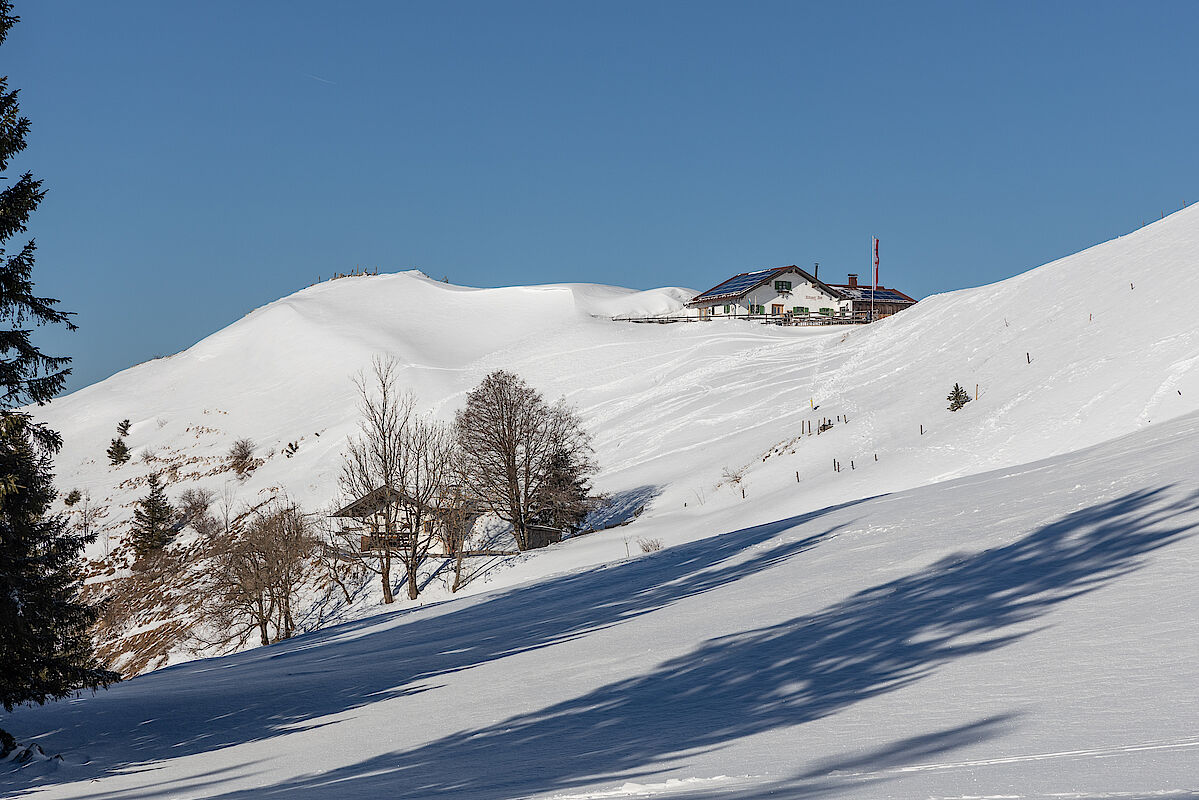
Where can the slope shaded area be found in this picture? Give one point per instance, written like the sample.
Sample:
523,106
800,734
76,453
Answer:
1027,632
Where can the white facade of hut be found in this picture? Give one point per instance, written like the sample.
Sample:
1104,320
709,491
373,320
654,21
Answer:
778,292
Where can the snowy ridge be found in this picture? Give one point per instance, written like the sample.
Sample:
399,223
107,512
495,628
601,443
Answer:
1000,605
1115,357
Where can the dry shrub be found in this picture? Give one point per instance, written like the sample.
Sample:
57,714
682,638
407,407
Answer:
241,457
733,476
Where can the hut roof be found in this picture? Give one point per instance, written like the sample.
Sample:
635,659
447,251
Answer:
740,285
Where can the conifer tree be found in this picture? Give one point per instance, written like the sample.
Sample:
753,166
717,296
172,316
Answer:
26,374
118,452
958,397
45,641
152,519
123,427
565,497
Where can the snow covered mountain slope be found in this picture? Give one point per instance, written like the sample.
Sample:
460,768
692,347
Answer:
1002,604
1023,633
1074,353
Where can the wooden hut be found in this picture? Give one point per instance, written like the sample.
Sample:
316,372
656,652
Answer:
387,516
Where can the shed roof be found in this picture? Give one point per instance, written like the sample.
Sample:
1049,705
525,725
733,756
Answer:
369,503
449,498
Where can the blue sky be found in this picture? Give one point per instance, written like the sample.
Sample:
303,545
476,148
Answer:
205,158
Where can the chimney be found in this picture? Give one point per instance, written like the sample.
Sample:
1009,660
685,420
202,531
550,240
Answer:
853,281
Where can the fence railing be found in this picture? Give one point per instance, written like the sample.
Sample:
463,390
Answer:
859,318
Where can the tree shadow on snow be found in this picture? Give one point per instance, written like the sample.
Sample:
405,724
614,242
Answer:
206,705
876,641
620,508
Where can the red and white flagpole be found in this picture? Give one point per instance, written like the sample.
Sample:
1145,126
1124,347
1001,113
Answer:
876,263
874,284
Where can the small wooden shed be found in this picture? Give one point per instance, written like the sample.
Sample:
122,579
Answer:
541,536
387,516
381,526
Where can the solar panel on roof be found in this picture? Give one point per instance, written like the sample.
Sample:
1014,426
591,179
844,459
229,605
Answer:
736,284
864,292
887,295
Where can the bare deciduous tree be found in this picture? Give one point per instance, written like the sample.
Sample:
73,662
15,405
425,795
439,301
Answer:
83,516
456,521
371,459
426,454
241,600
514,448
257,573
339,558
409,456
